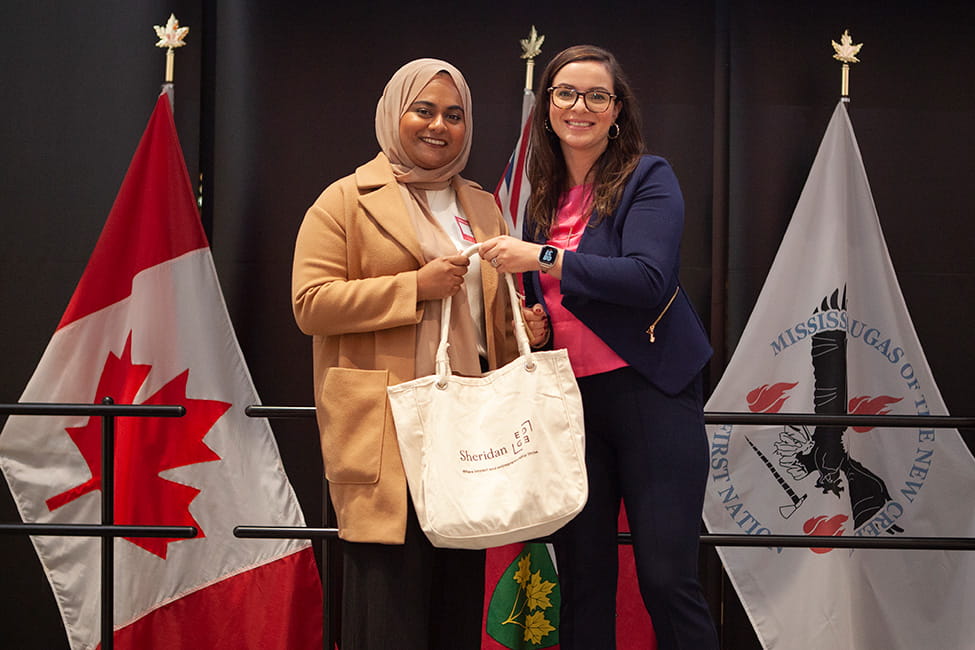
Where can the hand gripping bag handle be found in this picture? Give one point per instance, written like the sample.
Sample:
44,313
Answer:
524,347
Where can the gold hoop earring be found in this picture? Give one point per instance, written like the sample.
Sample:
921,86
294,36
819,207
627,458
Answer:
611,134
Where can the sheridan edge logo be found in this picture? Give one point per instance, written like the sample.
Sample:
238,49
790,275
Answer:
832,480
519,447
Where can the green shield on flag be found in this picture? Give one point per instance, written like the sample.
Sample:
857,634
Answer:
524,609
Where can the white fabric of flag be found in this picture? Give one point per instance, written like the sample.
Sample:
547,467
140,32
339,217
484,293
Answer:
831,334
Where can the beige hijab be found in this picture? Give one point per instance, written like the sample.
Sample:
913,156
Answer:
401,91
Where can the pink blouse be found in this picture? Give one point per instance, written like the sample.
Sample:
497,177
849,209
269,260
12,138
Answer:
588,354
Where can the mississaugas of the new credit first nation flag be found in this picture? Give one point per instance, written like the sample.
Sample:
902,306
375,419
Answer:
831,334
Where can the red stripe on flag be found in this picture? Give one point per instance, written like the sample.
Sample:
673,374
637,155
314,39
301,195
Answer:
276,606
634,630
155,196
496,563
519,170
497,190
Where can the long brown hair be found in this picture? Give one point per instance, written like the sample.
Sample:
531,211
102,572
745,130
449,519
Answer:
547,171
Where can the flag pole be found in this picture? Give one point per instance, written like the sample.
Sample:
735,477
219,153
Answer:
530,48
845,51
170,37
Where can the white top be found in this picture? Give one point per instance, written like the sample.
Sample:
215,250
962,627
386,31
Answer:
448,213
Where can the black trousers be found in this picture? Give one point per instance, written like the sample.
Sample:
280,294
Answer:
650,450
411,597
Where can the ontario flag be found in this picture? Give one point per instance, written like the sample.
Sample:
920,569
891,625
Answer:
522,597
147,324
831,334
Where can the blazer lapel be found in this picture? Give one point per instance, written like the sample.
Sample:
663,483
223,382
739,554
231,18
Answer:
379,195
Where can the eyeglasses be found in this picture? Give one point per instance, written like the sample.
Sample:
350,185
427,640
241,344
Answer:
597,101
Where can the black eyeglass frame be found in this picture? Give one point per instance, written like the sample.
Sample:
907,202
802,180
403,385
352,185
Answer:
585,99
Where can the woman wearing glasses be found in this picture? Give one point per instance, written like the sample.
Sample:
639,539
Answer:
375,255
602,255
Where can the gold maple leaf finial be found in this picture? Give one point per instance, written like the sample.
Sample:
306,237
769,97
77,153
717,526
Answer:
845,50
172,34
532,46
170,37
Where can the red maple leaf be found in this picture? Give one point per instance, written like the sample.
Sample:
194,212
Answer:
144,447
866,405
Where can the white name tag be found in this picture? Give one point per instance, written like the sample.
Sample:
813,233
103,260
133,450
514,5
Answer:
465,229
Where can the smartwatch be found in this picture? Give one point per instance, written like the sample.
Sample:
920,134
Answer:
547,257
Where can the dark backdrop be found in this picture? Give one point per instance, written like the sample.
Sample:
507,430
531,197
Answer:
275,101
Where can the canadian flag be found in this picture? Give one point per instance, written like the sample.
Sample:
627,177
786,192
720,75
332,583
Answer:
148,325
831,334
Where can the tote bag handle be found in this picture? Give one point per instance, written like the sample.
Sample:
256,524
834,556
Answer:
524,348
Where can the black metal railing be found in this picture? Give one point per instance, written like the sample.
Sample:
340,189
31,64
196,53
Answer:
107,530
740,540
718,417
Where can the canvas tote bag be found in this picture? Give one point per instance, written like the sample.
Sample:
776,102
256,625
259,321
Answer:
495,459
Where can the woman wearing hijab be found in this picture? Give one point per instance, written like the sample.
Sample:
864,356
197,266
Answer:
375,254
603,230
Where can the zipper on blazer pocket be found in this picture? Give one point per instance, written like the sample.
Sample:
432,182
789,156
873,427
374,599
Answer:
666,307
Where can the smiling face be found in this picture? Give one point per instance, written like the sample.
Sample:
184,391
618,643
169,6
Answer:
579,129
432,130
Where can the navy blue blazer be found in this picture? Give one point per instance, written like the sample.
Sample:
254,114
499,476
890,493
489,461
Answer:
624,273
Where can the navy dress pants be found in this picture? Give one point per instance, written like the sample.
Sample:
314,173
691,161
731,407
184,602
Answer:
649,449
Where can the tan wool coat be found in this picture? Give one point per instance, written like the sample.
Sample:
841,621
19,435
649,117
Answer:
354,291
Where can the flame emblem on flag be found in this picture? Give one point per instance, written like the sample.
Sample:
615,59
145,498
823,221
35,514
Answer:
824,526
866,405
769,398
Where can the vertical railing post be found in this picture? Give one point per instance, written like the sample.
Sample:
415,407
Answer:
108,518
324,570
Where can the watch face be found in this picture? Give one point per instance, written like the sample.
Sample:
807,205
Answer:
548,255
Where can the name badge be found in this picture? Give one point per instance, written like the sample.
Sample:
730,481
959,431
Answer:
465,229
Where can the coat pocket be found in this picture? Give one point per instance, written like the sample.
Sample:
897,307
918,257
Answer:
351,417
